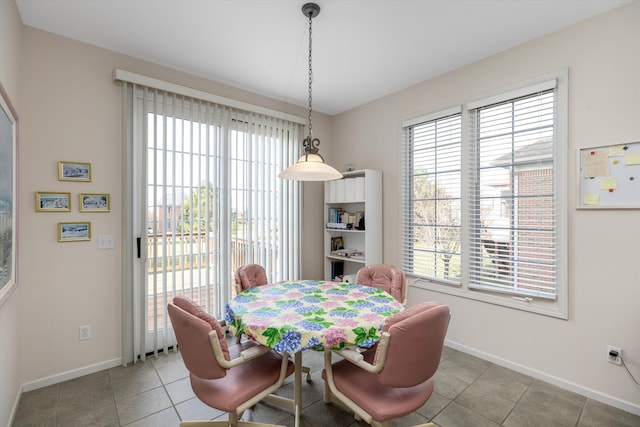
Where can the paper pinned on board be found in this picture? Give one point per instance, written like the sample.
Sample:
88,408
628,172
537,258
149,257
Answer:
596,163
591,199
632,159
616,151
609,183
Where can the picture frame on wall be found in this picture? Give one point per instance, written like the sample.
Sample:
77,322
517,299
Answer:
47,201
74,231
8,196
95,202
74,171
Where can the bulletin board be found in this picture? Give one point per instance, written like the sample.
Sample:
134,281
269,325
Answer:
609,177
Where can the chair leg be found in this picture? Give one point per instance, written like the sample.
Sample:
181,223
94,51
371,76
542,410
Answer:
307,371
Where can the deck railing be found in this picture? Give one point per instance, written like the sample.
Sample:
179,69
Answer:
190,250
183,259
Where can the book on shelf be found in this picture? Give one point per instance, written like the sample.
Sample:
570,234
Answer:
348,253
337,269
335,215
339,226
358,223
338,217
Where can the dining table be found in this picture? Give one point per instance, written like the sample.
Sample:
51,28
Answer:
296,316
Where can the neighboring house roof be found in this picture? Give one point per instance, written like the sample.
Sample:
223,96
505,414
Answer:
531,153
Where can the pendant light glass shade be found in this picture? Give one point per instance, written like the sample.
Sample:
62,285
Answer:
311,166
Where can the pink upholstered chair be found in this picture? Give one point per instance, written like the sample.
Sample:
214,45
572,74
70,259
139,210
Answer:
400,379
247,276
230,379
250,275
386,277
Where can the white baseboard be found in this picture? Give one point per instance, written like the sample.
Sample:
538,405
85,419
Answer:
69,375
562,383
14,409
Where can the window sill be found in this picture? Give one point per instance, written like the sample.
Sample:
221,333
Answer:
545,307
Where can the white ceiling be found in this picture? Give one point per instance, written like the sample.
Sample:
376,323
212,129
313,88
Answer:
362,50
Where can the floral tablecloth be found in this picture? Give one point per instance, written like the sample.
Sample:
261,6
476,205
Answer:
296,316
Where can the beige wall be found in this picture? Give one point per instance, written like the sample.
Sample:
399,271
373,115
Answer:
604,289
10,380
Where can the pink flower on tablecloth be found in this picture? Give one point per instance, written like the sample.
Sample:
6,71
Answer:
359,295
372,317
333,337
294,295
328,285
290,317
260,323
257,304
345,322
329,304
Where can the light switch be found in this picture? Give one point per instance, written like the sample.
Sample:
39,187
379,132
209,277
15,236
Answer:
106,242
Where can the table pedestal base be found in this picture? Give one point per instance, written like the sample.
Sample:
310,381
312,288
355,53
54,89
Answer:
295,405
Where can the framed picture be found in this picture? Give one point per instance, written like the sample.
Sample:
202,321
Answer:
8,196
337,243
95,202
74,231
53,202
74,171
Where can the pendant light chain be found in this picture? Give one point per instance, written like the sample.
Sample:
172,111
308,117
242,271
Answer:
310,166
310,143
310,78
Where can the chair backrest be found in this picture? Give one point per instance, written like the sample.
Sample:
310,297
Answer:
192,334
250,275
191,307
415,345
386,277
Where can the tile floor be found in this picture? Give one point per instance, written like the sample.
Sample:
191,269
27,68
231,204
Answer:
470,392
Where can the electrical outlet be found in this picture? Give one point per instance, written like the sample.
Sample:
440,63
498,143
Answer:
85,332
617,360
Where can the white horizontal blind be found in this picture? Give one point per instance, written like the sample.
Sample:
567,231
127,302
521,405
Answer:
513,203
431,204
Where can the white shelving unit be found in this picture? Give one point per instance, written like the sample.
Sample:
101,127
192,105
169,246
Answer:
359,193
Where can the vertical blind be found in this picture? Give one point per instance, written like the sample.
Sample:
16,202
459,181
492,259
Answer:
204,198
513,203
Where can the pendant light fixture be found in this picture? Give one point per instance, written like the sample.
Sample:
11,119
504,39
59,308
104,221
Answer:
310,166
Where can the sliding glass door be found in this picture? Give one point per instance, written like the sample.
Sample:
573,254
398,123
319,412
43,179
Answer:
206,199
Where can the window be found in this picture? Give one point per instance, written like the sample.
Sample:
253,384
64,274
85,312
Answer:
483,199
433,239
